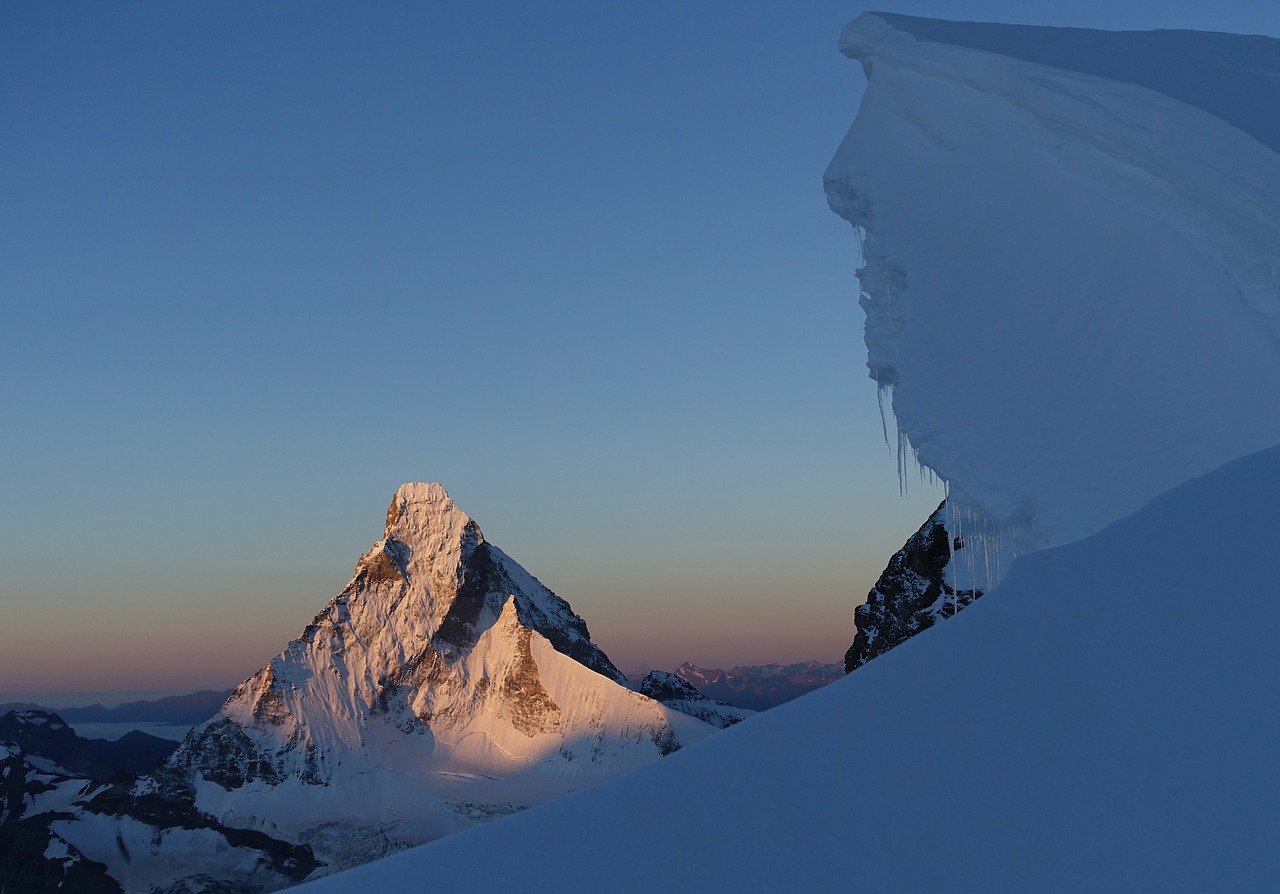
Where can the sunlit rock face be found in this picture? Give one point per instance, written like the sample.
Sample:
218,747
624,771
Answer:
444,685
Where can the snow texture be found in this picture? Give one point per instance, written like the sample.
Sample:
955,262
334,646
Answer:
1073,297
1071,284
142,857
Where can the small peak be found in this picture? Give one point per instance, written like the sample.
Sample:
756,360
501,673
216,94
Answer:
664,686
424,500
510,614
422,492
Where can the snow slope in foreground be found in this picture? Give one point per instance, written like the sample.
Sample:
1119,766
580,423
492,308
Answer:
1107,723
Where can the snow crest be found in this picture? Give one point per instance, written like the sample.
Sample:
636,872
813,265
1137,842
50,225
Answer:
1074,302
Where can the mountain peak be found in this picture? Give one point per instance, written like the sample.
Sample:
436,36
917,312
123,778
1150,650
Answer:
421,497
393,644
424,509
442,668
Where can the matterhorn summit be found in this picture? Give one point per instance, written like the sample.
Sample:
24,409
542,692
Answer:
443,686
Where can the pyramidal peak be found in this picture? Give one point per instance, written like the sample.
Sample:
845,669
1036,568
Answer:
443,674
425,532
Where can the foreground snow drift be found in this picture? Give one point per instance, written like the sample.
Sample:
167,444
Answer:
1103,721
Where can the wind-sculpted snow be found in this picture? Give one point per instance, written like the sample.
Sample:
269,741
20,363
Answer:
1072,282
1233,76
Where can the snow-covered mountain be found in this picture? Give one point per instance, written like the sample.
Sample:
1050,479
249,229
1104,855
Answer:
1072,283
33,791
686,698
1060,268
443,686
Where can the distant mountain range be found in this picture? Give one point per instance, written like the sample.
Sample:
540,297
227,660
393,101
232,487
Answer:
190,709
761,686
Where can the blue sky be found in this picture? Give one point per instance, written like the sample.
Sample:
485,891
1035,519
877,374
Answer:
263,263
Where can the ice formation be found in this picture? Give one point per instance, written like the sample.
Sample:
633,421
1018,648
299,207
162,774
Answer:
1073,301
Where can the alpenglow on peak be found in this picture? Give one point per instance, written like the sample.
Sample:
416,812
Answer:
443,686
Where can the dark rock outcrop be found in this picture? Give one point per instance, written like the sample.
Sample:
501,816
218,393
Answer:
46,734
686,698
666,687
49,775
912,593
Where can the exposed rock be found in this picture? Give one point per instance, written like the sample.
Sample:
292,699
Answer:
45,733
911,595
682,695
667,687
55,781
530,707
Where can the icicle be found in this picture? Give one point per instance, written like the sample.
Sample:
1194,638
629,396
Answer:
969,551
986,558
951,541
881,388
904,445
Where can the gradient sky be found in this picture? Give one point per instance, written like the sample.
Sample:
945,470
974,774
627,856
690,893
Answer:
261,263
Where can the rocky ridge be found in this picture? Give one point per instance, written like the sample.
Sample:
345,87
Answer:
683,696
